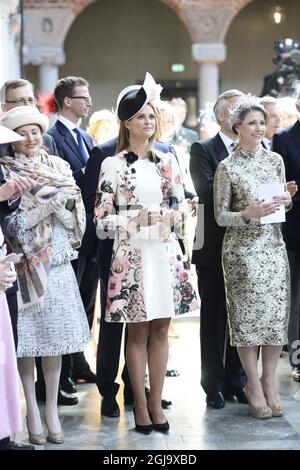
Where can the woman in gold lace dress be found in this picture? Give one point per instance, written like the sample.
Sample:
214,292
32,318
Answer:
254,256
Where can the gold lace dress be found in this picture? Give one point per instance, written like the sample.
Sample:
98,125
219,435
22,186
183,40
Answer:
255,263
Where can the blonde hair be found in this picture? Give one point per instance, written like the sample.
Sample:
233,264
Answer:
123,140
165,111
96,124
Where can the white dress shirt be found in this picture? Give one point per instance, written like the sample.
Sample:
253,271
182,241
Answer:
267,142
229,143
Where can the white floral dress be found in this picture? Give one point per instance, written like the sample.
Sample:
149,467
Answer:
148,277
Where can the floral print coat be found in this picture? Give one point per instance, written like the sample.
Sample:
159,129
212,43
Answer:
118,204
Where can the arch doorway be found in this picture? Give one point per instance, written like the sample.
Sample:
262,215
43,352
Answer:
113,43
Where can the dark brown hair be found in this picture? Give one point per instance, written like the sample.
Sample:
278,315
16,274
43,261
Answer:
65,88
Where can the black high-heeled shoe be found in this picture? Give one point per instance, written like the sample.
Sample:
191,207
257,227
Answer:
160,427
142,428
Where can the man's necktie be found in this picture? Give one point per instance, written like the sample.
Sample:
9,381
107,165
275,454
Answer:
231,146
81,145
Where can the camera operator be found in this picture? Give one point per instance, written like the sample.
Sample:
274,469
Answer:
287,60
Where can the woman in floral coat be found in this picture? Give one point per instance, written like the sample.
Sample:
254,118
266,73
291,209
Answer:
140,198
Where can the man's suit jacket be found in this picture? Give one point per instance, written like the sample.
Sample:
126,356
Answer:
68,149
205,157
287,144
270,85
50,145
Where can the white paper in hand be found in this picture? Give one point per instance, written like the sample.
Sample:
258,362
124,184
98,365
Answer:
267,192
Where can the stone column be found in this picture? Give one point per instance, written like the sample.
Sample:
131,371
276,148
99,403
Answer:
9,57
48,59
48,77
208,56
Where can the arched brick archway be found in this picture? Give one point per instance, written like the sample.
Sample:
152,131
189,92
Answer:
77,6
207,22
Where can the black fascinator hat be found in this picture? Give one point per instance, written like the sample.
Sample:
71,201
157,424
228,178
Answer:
133,98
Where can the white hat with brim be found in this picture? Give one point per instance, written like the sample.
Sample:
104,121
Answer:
24,115
6,136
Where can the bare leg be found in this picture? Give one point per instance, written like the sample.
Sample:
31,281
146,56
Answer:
51,369
270,357
136,359
158,350
26,370
248,357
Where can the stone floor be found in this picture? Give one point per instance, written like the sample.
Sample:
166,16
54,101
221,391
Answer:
192,424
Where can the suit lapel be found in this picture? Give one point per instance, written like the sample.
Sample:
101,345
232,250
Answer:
88,142
72,144
219,147
69,139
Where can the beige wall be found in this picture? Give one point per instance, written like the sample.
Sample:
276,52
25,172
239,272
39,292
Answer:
250,43
122,40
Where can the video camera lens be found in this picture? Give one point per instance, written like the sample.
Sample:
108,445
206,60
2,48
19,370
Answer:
286,45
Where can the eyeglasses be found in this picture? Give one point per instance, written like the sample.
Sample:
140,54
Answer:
87,99
22,101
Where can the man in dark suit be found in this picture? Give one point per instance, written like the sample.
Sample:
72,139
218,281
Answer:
73,103
221,371
287,144
271,86
110,334
74,145
20,93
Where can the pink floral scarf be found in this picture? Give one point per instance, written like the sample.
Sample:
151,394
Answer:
52,177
